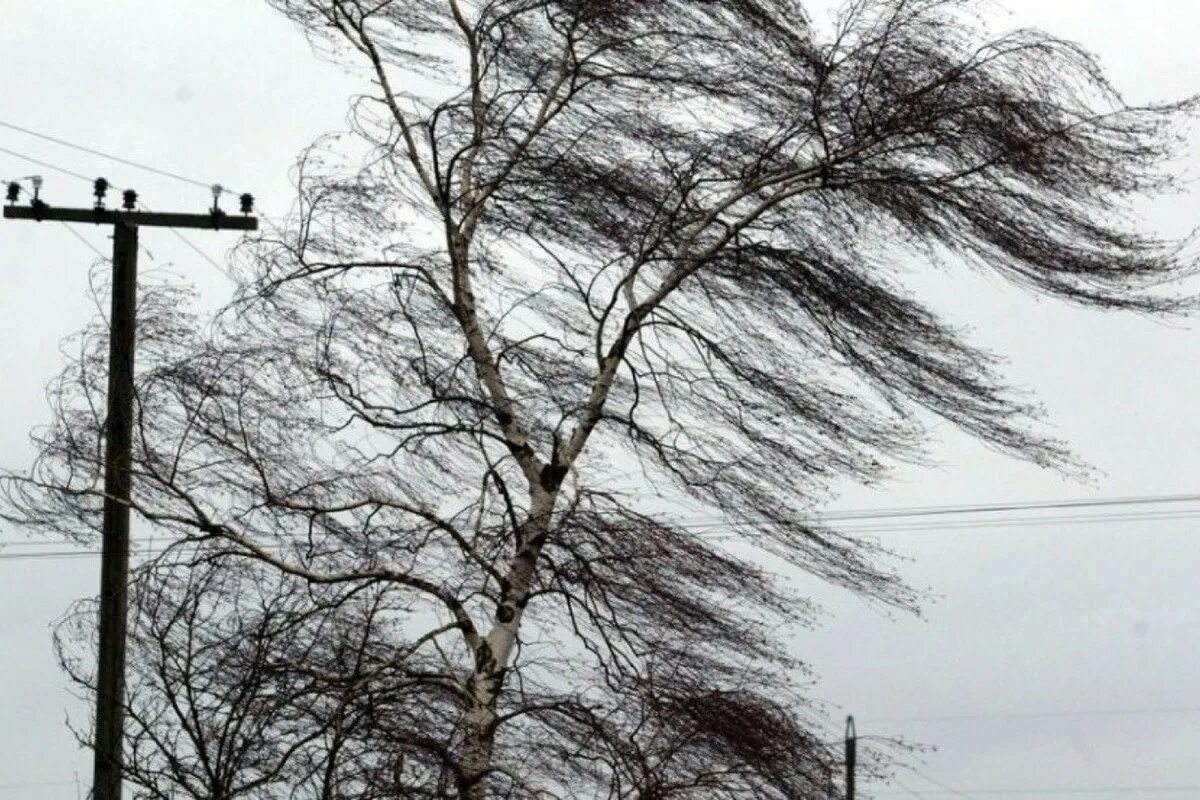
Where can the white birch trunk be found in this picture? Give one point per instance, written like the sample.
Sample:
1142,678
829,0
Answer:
494,653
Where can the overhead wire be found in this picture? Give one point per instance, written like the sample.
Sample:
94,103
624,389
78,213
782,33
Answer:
201,253
745,529
987,523
705,529
907,789
940,785
46,164
748,530
137,550
1052,791
35,784
85,242
917,512
748,536
984,508
701,529
109,156
1022,522
1048,714
943,789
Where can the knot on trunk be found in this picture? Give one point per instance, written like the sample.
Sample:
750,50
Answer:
552,476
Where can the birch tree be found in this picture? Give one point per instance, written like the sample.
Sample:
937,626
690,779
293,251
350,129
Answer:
568,339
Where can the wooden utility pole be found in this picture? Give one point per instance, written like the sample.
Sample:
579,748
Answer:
851,756
118,438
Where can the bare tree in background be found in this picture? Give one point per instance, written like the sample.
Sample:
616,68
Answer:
591,277
242,685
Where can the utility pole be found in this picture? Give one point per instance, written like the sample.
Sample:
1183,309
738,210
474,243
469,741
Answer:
851,756
118,435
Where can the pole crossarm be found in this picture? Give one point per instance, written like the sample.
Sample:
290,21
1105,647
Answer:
142,219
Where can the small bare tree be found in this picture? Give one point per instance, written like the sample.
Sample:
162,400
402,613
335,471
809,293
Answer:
610,271
213,711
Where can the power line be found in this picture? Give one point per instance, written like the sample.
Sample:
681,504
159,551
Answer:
85,242
55,554
46,164
109,156
988,508
984,717
1085,790
201,253
34,784
943,787
1035,520
907,789
916,512
935,528
147,551
704,529
742,525
701,531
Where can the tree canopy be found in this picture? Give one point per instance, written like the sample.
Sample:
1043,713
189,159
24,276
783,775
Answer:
588,277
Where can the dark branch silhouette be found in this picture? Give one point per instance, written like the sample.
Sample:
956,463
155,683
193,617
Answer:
615,296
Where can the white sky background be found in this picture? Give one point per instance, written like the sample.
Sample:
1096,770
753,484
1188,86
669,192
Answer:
1082,617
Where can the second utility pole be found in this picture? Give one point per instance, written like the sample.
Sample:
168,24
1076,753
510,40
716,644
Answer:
118,437
851,756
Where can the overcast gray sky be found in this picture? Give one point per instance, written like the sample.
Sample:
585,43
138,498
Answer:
1103,616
